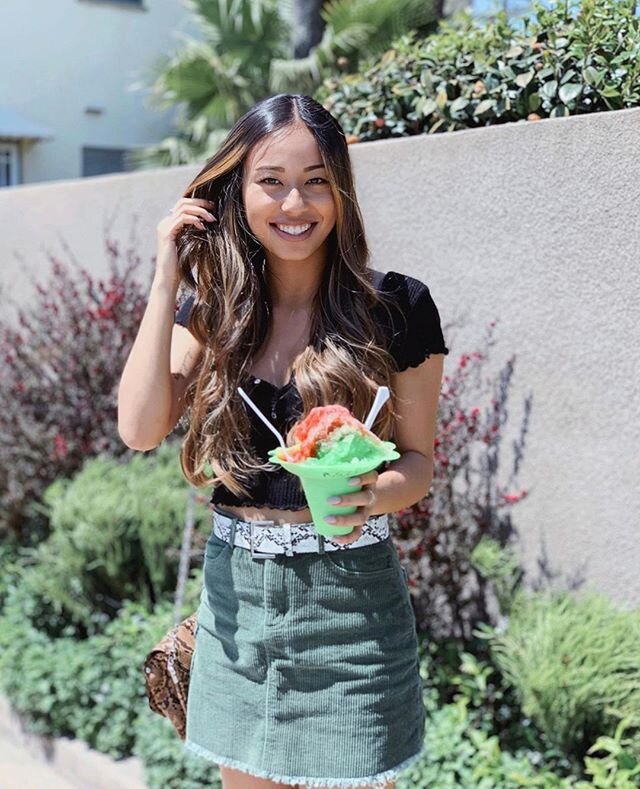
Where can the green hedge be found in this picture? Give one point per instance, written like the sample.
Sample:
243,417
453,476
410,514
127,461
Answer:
116,530
93,689
166,763
88,689
572,59
573,660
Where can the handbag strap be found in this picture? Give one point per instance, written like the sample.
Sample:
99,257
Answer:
183,571
171,659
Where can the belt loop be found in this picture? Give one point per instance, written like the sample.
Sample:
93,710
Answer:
232,533
320,543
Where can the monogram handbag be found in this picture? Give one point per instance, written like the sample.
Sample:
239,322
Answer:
167,667
166,673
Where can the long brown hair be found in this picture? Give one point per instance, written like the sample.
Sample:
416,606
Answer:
346,359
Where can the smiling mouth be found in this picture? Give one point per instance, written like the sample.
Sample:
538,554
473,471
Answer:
293,236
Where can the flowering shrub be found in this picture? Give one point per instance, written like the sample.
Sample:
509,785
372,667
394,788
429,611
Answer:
437,535
58,384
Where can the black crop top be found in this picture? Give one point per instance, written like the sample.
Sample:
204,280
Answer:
409,345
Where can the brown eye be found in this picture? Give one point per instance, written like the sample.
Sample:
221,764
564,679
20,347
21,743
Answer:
317,178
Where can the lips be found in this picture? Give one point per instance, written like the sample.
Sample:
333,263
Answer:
289,237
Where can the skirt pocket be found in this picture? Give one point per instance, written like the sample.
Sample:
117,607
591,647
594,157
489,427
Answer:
376,561
215,548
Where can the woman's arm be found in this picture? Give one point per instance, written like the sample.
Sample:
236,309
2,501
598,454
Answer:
408,479
163,357
160,365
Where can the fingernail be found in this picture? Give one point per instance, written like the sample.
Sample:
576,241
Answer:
333,500
354,481
330,519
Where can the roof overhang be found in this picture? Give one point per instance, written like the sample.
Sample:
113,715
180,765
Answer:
15,126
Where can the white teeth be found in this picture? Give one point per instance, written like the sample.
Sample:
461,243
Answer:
294,230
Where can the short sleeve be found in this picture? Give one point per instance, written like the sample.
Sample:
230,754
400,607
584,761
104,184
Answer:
416,332
423,334
182,315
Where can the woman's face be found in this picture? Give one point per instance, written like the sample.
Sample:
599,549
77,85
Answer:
286,190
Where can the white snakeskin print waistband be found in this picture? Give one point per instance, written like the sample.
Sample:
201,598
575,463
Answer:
266,538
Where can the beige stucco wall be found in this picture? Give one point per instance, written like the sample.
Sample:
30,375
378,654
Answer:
531,223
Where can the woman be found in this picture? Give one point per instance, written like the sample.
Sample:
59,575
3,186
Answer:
305,671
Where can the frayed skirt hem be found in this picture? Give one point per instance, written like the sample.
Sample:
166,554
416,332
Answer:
377,780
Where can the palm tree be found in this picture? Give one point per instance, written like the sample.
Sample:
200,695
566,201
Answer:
247,53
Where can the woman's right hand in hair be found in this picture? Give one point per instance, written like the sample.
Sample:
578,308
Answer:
187,211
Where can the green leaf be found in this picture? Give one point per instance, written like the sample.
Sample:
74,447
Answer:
459,104
549,89
425,106
403,90
610,92
545,72
426,79
534,102
484,106
569,92
568,75
593,76
524,79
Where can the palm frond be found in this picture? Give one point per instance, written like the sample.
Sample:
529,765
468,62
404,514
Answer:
353,28
394,16
169,152
299,75
286,9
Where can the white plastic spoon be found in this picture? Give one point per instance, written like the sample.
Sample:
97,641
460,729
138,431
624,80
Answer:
382,396
250,403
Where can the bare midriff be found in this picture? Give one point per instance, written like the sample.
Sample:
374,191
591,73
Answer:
265,514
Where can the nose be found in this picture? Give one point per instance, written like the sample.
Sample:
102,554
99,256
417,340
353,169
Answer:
293,200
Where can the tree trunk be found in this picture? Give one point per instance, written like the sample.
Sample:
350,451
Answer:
308,26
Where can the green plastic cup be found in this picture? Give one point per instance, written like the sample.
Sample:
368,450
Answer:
321,480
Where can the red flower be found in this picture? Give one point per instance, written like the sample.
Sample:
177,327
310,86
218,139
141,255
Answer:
60,448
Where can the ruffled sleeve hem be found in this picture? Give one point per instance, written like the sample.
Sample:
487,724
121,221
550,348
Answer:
416,332
419,357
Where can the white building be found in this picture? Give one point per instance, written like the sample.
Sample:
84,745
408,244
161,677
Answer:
66,69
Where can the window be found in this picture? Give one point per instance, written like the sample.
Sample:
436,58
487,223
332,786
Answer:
98,161
9,163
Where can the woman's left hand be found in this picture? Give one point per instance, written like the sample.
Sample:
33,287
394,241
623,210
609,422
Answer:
364,500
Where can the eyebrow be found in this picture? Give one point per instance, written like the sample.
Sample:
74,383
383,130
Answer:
281,169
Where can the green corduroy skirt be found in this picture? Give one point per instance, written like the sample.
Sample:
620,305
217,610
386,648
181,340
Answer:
305,669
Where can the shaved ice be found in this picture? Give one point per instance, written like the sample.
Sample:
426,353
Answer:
331,446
